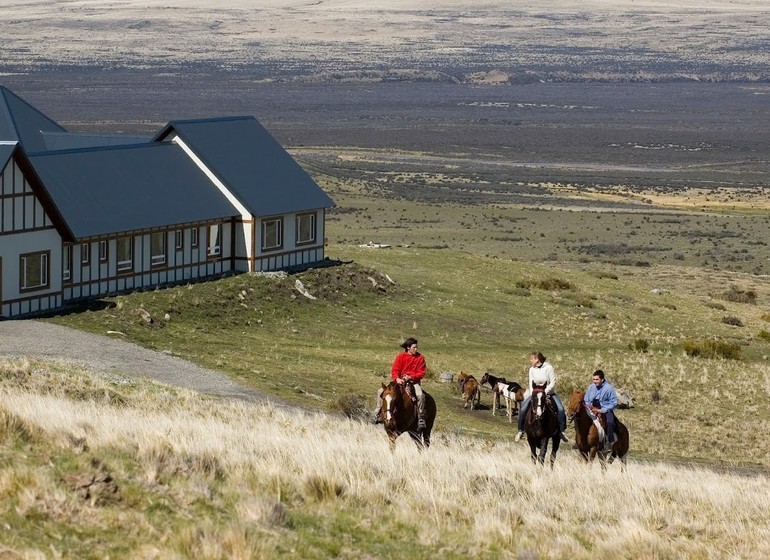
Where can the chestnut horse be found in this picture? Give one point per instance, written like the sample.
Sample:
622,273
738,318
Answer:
541,424
398,413
469,389
588,439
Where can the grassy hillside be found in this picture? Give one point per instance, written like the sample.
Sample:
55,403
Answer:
476,313
107,466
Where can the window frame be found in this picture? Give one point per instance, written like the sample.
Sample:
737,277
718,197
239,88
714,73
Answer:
45,272
179,240
313,228
158,259
214,251
279,233
125,265
66,263
194,237
104,251
85,253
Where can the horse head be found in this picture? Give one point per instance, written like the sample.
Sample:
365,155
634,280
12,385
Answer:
485,378
575,405
539,400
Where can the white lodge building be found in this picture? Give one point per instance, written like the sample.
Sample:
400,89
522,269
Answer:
84,215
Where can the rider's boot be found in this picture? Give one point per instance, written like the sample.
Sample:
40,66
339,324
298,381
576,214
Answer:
563,436
421,424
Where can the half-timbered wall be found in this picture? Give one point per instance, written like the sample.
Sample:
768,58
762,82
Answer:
91,276
25,231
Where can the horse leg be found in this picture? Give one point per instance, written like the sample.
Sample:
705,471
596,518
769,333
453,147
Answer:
543,450
495,400
392,441
533,452
417,440
555,442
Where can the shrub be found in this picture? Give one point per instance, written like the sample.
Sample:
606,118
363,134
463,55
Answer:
734,321
548,284
351,406
715,305
740,296
603,274
712,349
765,317
639,345
764,335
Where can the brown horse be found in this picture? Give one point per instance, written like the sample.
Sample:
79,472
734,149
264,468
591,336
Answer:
541,424
512,392
587,437
398,413
469,389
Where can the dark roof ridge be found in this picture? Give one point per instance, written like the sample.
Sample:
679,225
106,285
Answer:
144,144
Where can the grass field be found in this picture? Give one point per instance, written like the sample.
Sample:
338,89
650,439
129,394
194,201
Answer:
474,313
97,467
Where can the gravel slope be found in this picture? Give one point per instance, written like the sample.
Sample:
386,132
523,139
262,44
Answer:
39,340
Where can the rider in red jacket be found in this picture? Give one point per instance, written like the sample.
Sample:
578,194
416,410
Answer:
409,365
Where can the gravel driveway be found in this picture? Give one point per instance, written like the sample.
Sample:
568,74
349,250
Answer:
39,340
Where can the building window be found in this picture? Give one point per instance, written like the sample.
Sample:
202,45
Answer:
194,237
215,240
66,263
179,240
305,228
33,270
103,254
125,254
272,236
158,248
85,253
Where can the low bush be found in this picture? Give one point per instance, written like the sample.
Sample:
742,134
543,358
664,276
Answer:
737,295
639,345
351,406
764,335
712,349
734,321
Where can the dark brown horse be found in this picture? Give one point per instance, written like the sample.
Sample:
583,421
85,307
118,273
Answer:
587,436
398,413
541,424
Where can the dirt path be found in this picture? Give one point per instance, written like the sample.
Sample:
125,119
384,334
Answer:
39,340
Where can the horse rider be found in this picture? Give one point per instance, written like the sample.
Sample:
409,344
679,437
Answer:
409,366
541,372
601,398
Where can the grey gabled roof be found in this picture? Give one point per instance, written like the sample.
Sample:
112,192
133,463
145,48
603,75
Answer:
251,163
20,121
101,191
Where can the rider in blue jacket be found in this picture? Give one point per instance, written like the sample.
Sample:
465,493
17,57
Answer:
601,398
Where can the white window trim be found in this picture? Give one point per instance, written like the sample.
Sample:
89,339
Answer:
279,236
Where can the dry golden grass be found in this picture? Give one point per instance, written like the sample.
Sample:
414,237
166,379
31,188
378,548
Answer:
206,478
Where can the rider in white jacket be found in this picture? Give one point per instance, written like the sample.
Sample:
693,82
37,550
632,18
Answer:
542,372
